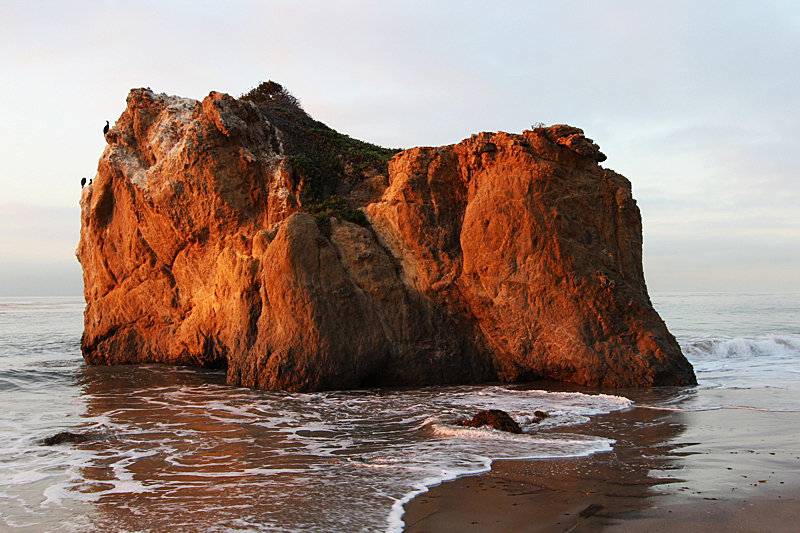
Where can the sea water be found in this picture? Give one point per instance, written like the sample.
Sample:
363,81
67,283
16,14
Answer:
176,449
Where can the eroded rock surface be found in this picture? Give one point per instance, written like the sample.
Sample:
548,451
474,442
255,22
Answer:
504,257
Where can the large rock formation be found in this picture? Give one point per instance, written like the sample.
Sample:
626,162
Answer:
504,257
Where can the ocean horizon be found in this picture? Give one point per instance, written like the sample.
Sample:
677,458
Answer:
175,448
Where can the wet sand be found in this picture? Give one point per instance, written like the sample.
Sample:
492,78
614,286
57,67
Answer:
726,470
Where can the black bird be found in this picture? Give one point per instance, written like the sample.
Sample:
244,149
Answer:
83,182
105,130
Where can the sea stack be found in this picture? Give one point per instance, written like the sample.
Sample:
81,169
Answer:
242,234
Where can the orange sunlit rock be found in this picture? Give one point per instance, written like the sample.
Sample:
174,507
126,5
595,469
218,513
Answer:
510,257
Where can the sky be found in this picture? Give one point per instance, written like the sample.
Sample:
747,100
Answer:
696,102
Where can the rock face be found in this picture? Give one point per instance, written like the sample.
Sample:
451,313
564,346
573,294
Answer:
504,257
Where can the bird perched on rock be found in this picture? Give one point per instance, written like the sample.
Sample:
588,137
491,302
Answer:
83,182
105,129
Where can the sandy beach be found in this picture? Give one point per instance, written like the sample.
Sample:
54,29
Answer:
722,470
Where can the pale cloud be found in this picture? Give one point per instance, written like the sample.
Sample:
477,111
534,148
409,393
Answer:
694,102
38,233
38,250
40,278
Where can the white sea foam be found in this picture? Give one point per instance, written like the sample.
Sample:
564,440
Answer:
724,347
171,447
365,453
771,360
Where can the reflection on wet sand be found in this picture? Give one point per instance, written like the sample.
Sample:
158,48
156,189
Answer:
186,461
558,494
719,470
181,450
178,450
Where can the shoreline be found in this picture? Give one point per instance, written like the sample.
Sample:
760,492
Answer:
720,469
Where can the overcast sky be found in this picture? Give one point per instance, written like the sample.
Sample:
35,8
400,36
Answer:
696,102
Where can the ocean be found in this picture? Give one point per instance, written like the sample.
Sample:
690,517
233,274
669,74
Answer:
176,449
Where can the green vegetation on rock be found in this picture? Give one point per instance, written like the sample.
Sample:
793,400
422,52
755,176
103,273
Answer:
320,157
335,206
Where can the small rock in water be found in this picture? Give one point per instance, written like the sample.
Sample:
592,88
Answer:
65,436
495,418
538,416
